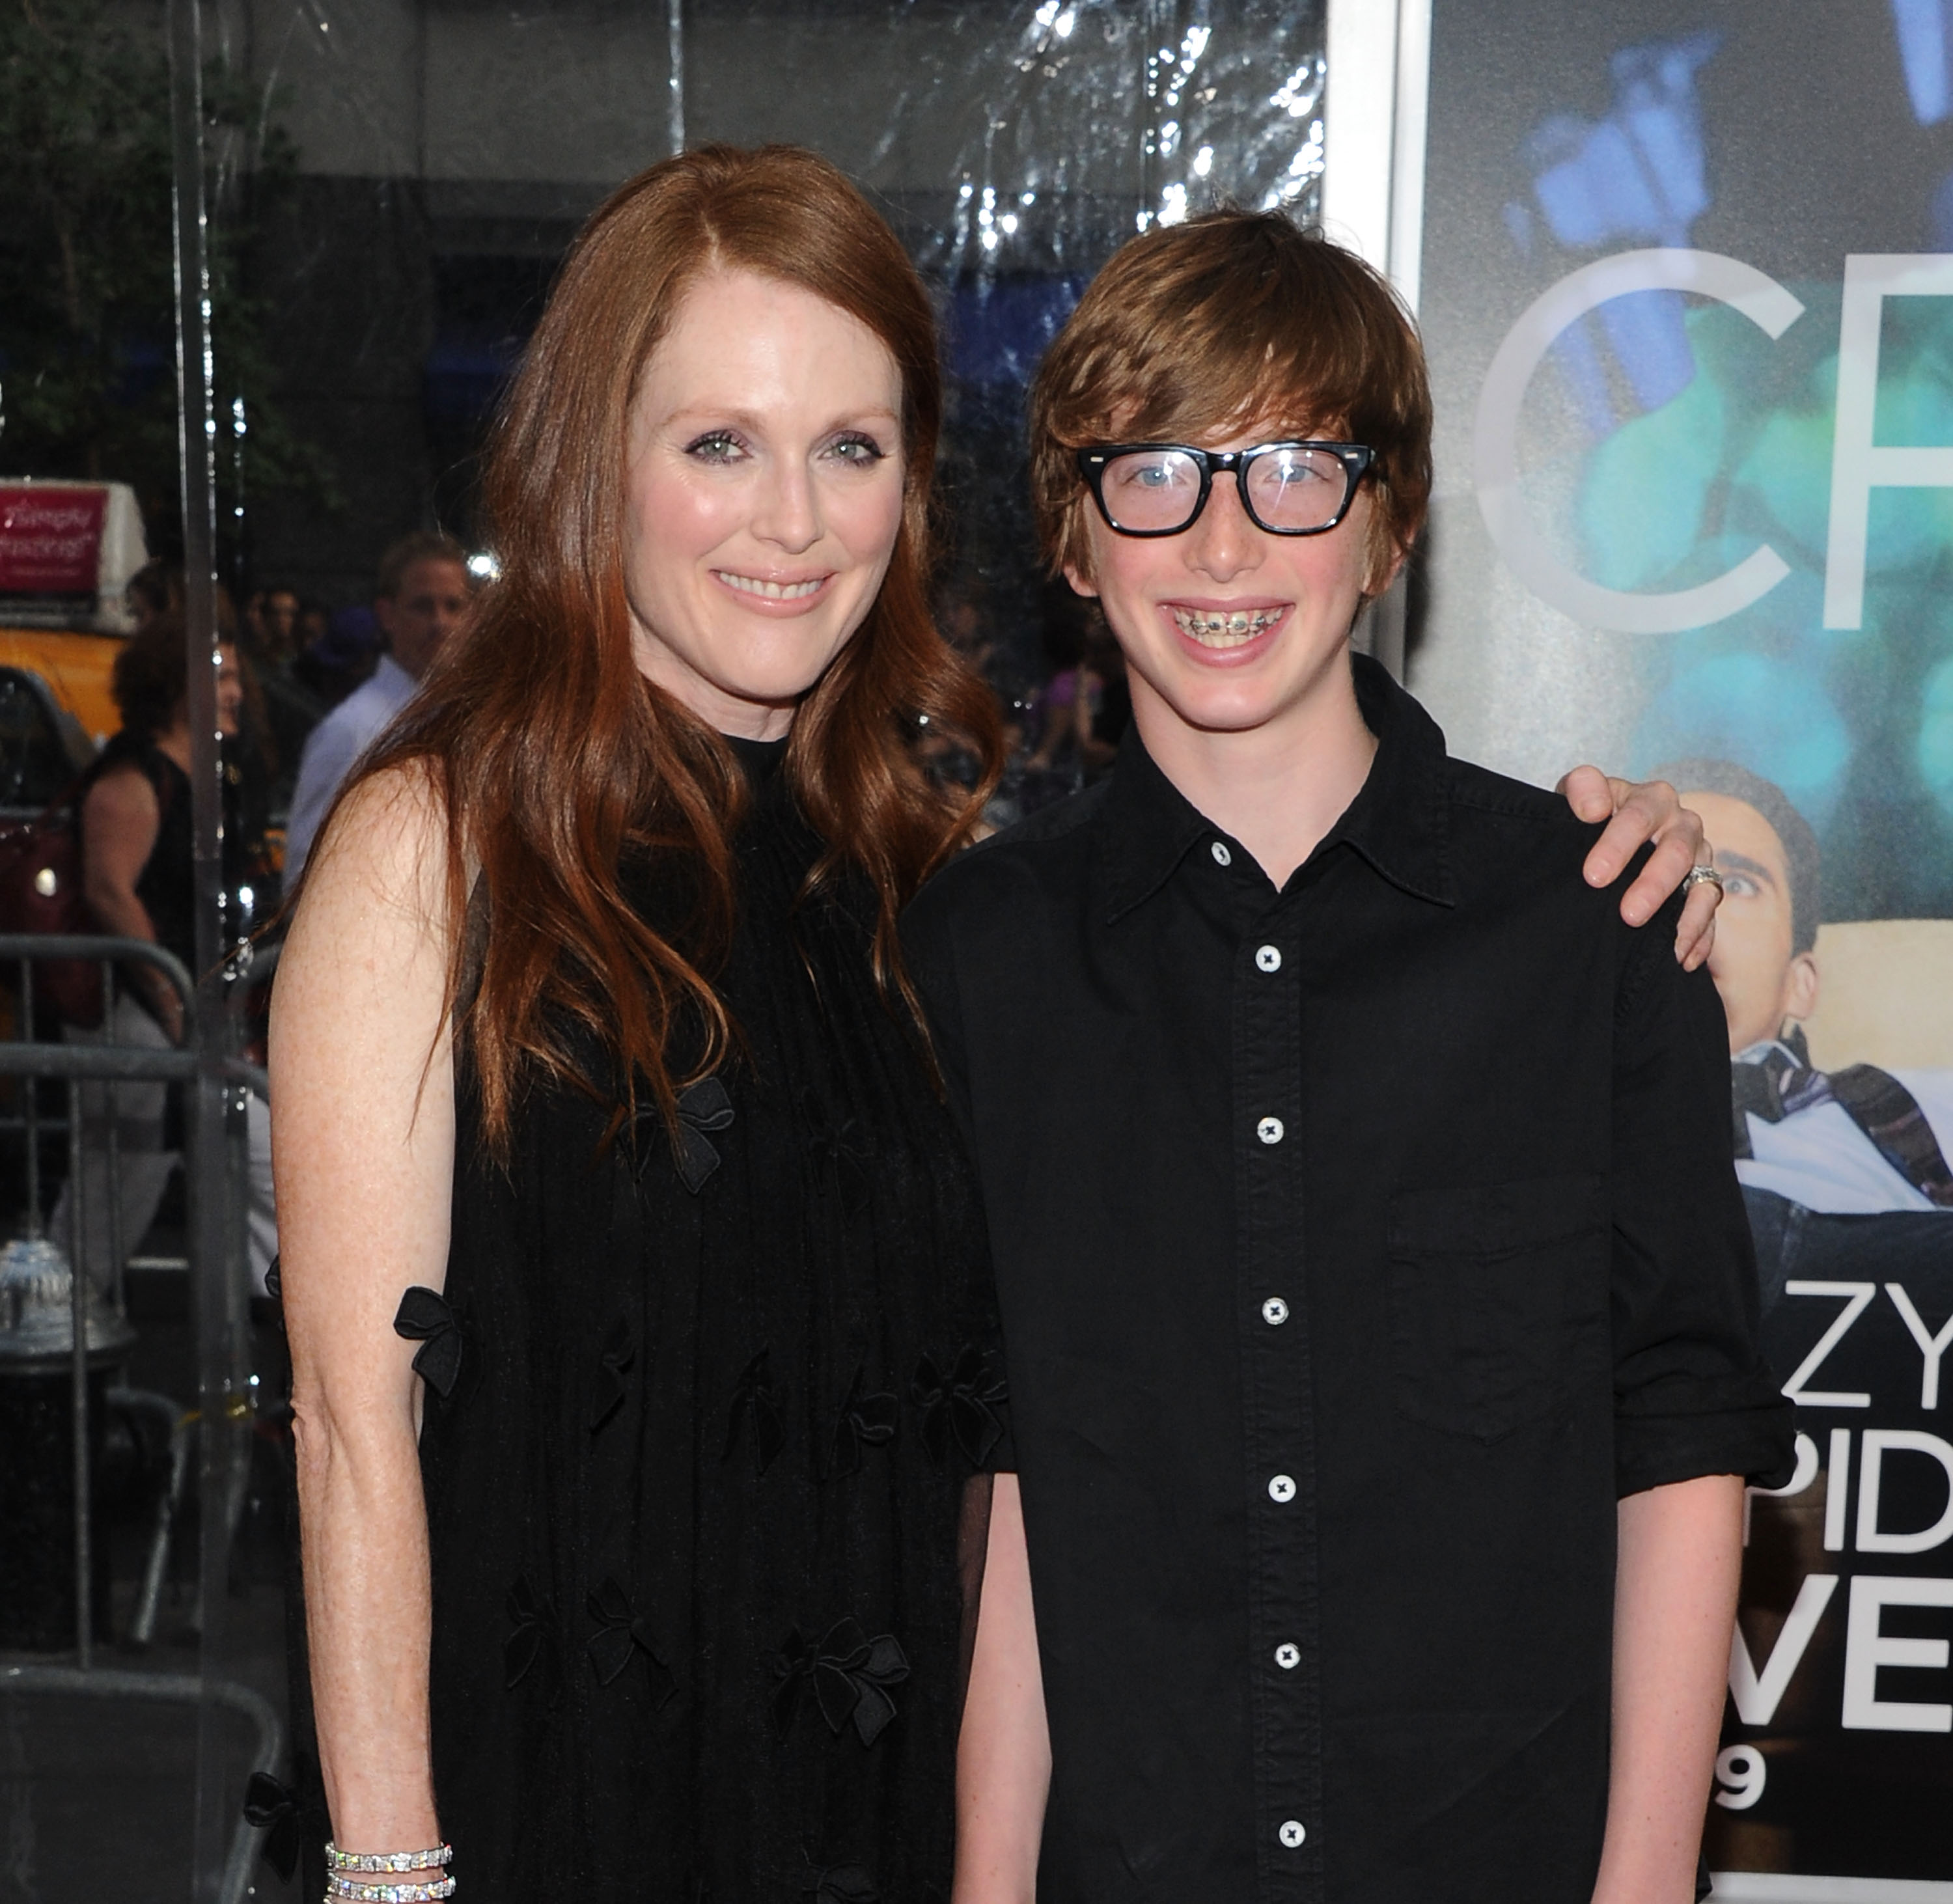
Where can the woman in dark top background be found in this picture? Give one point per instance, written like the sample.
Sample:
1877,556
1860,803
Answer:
137,849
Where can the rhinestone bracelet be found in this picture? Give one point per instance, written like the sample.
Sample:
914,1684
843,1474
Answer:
442,1854
346,1887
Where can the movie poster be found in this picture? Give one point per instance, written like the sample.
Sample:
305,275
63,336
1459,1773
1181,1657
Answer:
1688,289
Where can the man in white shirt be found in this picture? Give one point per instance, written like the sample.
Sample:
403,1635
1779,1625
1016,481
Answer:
1857,1142
422,593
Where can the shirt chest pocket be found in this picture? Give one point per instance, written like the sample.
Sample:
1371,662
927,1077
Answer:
1498,1301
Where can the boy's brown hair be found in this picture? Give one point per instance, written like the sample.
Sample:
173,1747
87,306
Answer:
1234,320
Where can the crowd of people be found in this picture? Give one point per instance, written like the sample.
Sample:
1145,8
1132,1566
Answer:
299,697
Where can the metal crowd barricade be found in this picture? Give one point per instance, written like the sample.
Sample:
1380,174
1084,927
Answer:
31,1063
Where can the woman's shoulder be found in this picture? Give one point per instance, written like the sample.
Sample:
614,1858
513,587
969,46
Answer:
120,782
385,853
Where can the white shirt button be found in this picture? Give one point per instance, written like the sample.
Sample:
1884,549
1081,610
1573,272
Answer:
1268,957
1269,1130
1222,857
1292,1832
1288,1657
1282,1487
1274,1312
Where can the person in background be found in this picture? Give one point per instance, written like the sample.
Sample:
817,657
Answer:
339,653
422,594
287,706
271,623
156,588
138,876
1861,1142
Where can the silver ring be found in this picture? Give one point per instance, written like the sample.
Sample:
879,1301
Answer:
1702,876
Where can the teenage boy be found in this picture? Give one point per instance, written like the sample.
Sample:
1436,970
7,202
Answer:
1380,1304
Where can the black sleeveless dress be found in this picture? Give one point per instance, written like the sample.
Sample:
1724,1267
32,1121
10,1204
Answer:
707,1489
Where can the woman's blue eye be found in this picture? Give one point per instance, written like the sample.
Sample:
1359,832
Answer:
715,446
863,450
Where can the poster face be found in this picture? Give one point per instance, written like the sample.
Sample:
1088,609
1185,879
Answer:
1687,290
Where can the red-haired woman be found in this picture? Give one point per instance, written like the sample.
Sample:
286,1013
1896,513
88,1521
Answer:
611,1164
608,1164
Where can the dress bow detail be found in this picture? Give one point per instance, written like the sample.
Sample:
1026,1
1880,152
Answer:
704,1107
849,1672
755,1395
959,1403
841,1884
274,1281
619,1634
530,1618
613,1363
273,1808
845,1147
866,1421
424,1317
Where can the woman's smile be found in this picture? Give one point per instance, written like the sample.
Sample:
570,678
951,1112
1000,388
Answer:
763,589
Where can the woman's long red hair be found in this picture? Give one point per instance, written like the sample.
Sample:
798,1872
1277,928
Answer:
554,757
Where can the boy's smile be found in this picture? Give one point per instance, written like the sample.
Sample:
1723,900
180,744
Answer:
1229,629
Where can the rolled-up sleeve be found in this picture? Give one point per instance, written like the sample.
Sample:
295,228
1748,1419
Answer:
1693,1395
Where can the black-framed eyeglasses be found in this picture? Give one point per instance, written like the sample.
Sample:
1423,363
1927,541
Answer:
1159,488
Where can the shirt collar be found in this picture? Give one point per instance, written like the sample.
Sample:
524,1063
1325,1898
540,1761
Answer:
1399,822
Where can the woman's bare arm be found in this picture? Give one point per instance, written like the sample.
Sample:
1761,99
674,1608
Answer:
1675,1601
119,821
1003,1756
363,1149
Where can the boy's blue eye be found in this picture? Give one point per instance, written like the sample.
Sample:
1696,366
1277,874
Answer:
1152,472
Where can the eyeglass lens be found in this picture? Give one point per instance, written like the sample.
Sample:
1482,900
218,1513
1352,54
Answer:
1287,488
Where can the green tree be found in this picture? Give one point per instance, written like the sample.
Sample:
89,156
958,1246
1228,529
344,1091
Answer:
87,299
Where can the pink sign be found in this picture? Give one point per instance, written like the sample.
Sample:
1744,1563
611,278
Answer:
50,538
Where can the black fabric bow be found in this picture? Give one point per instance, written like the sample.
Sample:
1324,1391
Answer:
274,1283
705,1106
754,1395
848,1672
621,1634
866,1421
273,1808
531,1618
959,1403
425,1318
846,1147
842,1884
618,1353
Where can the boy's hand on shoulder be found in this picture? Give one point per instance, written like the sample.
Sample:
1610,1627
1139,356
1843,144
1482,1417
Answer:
1636,813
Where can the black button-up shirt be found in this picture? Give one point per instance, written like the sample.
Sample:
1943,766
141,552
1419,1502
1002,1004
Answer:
1358,1244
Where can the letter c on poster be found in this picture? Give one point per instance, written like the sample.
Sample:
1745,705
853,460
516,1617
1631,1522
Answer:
1495,439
